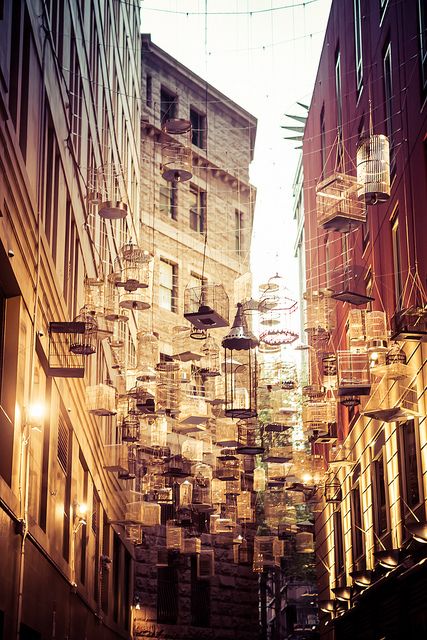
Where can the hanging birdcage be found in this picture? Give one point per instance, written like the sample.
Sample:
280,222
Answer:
133,268
130,428
319,315
353,374
185,495
347,283
337,204
106,184
218,491
244,508
192,449
168,387
202,487
277,313
263,546
228,467
392,401
333,493
112,310
176,150
101,400
94,295
159,431
184,347
249,438
85,343
143,397
357,328
259,479
147,356
128,465
304,542
233,487
134,300
192,546
226,434
177,467
329,370
240,379
174,536
209,363
410,324
373,169
206,306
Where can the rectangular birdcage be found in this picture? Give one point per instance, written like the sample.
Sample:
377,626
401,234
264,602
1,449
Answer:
353,373
206,564
338,207
392,400
319,414
347,283
410,324
207,306
101,400
319,313
144,513
62,362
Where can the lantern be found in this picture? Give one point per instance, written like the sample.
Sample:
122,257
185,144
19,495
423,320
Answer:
240,379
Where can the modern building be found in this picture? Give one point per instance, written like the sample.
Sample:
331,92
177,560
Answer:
197,207
364,161
69,161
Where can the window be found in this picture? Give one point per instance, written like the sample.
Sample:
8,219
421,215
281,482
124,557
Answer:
397,266
338,95
168,200
238,231
149,91
116,575
167,595
422,21
409,461
379,494
104,572
197,209
388,100
358,45
339,547
356,515
198,129
168,105
64,490
368,289
168,277
322,141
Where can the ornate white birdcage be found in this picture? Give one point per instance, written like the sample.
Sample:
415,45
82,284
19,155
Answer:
147,355
133,267
240,376
107,185
226,433
192,449
159,431
101,400
337,203
209,365
259,479
206,306
168,387
185,493
94,290
353,373
176,150
373,169
85,343
112,310
277,313
184,347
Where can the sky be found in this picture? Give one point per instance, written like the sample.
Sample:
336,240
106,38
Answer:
263,54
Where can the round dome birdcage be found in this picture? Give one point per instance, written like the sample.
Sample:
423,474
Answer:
209,363
133,267
147,355
373,169
176,150
277,313
85,343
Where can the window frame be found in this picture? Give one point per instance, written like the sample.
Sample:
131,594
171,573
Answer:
404,465
168,200
397,258
198,132
380,497
197,212
173,290
339,551
172,100
239,239
357,540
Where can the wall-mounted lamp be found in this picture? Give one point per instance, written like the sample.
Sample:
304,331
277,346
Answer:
362,578
343,594
80,515
388,559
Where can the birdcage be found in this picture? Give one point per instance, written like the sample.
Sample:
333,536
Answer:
353,374
147,355
168,387
112,310
226,433
107,185
410,324
94,295
184,348
185,493
128,464
304,542
392,401
347,283
244,508
134,300
333,493
62,361
174,536
159,431
101,400
319,414
263,546
276,508
218,491
176,150
84,343
202,486
130,428
395,364
177,467
206,306
192,449
259,479
240,377
143,397
357,328
277,313
209,363
133,268
373,169
337,204
249,437
192,546
319,314
329,370
233,487
228,467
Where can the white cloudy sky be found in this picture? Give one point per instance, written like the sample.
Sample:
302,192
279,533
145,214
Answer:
263,54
